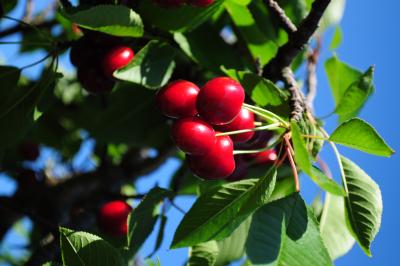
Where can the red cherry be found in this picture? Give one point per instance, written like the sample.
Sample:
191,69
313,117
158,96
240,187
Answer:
94,81
116,58
220,100
29,151
241,169
113,217
258,141
218,163
200,3
193,136
178,99
264,157
170,3
244,120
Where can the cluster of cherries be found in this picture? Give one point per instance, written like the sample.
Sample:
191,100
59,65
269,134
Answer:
96,57
202,117
178,3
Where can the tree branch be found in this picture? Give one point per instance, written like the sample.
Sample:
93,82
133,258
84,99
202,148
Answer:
311,81
22,28
297,104
297,41
284,20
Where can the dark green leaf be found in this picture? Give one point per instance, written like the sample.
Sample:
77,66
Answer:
9,77
285,232
141,221
203,254
337,237
115,20
326,183
355,96
363,204
160,235
360,135
81,248
217,213
52,263
301,155
151,67
180,19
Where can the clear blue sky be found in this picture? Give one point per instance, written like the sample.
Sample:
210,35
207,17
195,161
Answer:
371,36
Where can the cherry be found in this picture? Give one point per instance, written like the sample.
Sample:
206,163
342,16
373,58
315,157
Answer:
244,120
178,99
220,100
29,151
116,58
241,169
258,141
264,157
218,163
200,3
193,136
113,217
94,81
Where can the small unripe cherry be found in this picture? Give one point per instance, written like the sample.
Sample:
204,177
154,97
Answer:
116,58
220,100
241,169
264,157
113,217
29,150
193,136
244,120
218,163
200,3
178,99
94,81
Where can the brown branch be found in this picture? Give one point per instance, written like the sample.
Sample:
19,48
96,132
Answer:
284,20
297,41
22,28
311,81
297,104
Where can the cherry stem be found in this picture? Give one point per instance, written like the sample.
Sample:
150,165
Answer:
257,123
265,113
290,153
38,62
237,152
266,127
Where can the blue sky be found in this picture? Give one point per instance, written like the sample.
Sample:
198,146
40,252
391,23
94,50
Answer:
370,37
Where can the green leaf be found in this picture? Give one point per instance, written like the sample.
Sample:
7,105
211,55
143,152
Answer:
337,237
141,221
180,19
358,134
285,232
81,248
9,77
363,204
203,254
151,67
52,263
301,155
326,183
336,39
115,20
355,96
340,76
217,213
258,44
160,235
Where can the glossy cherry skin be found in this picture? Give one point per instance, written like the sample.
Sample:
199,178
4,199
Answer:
116,58
200,3
244,120
220,100
93,80
193,136
241,169
218,163
264,157
29,151
113,218
178,99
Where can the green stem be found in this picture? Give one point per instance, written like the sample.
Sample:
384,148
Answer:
279,139
266,127
314,137
265,113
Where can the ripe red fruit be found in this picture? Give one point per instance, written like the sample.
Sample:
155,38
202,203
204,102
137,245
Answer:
116,58
178,99
264,157
94,81
218,163
200,3
113,217
241,169
244,120
193,136
29,151
220,100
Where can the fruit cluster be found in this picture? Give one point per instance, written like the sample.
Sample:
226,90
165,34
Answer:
202,117
178,3
96,57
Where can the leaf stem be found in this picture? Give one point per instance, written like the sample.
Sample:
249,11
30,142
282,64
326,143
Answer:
314,137
266,127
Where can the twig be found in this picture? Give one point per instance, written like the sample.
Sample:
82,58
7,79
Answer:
28,11
297,99
20,28
284,20
289,151
296,42
311,80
